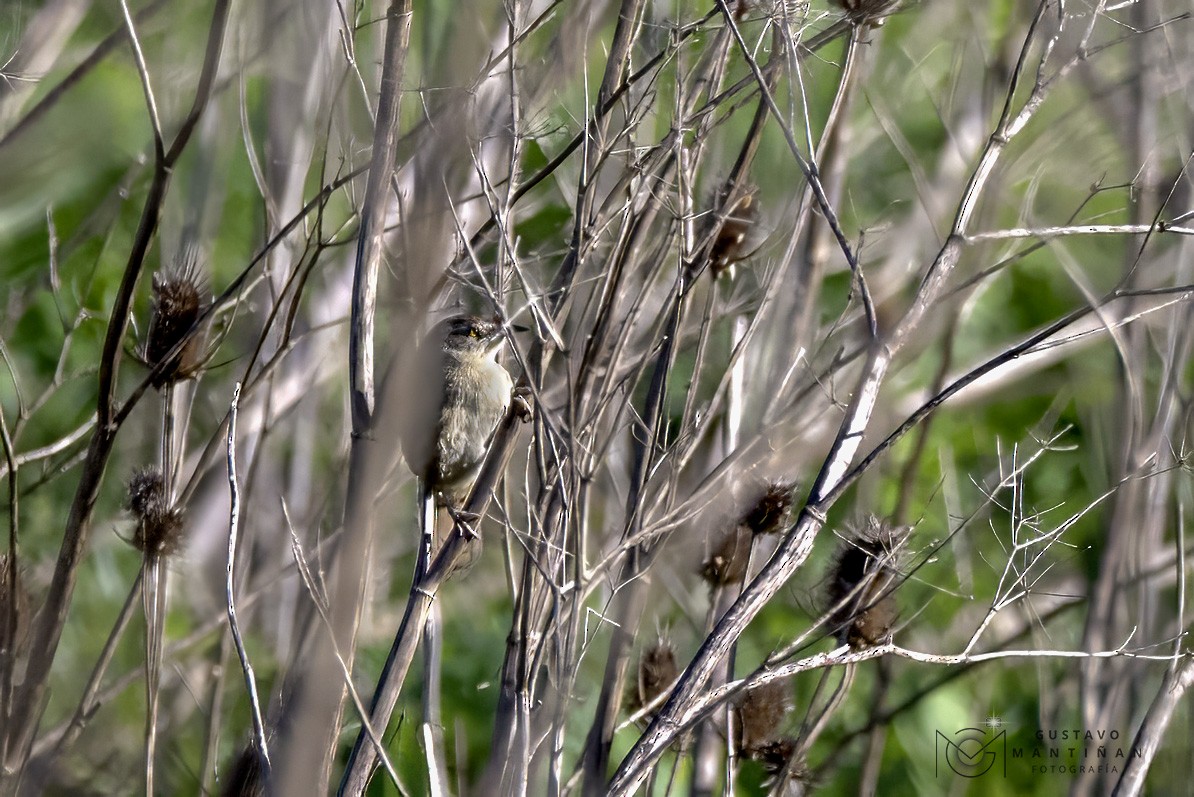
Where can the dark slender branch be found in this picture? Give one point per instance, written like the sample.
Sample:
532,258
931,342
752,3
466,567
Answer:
87,702
9,581
1026,346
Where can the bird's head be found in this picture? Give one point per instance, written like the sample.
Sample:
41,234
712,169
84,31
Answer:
472,335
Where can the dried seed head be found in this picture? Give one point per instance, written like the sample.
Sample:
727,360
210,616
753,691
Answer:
772,511
147,493
159,525
758,715
867,10
729,242
727,564
862,583
178,301
247,776
657,670
13,637
774,755
777,760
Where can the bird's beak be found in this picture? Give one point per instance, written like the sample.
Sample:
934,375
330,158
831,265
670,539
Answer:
495,342
499,335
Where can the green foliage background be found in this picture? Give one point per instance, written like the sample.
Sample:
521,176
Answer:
72,186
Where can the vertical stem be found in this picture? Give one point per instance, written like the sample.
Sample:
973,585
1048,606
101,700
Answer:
433,721
9,575
313,740
631,598
229,583
154,576
153,599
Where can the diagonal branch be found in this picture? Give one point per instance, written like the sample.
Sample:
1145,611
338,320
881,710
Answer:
798,542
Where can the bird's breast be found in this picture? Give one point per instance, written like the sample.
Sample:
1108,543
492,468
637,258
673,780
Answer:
476,397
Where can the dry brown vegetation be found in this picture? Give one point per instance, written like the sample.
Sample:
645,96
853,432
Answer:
856,338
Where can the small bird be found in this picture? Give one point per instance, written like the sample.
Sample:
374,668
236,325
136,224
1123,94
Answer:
459,393
870,11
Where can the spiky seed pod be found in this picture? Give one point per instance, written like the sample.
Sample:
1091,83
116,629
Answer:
22,604
758,715
867,10
772,511
178,301
247,776
861,585
159,525
776,758
727,564
729,242
146,493
657,671
774,755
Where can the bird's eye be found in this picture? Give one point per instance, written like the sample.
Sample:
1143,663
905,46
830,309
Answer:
472,333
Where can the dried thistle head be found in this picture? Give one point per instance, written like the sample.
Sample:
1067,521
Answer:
774,755
159,525
736,220
777,759
862,584
727,563
147,496
179,299
657,671
758,714
772,511
870,11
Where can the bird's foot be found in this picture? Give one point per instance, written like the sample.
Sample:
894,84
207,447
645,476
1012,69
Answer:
465,522
521,401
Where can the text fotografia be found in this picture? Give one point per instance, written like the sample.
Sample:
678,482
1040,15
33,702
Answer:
1075,751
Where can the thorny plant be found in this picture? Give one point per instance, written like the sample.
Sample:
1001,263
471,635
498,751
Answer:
785,269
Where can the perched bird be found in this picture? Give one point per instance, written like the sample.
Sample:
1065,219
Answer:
458,393
871,11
